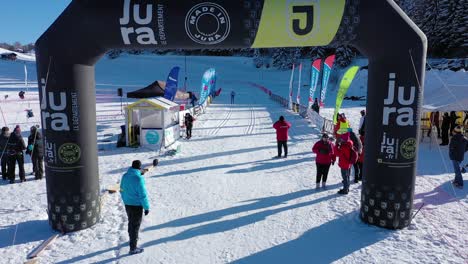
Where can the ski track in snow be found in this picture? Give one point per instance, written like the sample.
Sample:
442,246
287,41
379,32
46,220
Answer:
223,199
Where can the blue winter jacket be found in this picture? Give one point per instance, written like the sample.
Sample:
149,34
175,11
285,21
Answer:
133,189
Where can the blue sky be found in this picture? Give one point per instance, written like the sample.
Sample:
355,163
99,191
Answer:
26,20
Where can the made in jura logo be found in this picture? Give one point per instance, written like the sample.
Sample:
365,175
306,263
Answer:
207,23
398,109
302,19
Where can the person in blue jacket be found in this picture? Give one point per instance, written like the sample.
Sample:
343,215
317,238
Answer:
135,198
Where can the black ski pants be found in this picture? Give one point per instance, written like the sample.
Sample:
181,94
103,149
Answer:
445,136
4,166
322,172
188,131
38,168
134,214
358,171
12,160
282,144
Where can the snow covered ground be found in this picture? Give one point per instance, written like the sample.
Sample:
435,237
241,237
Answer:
20,56
223,198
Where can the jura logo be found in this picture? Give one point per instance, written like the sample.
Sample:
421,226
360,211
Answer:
400,108
207,23
144,35
53,107
307,23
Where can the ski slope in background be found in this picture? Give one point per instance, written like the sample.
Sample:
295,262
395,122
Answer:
223,198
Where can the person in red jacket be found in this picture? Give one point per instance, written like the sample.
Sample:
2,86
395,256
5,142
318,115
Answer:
343,152
325,157
282,128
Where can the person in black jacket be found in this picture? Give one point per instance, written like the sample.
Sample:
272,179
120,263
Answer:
453,121
4,138
457,149
188,125
15,148
36,150
445,129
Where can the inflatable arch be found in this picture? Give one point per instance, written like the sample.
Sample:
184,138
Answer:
67,52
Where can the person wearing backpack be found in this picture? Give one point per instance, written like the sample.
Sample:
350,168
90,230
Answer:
347,156
324,149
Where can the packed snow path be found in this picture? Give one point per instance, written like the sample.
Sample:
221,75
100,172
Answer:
224,199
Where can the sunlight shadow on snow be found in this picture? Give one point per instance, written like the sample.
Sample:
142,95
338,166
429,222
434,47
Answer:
323,244
27,232
442,194
231,224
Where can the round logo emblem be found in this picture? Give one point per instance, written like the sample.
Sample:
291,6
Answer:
152,137
207,23
69,153
408,148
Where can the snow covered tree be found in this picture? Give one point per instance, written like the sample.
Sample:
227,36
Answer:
317,53
344,56
113,54
284,58
258,59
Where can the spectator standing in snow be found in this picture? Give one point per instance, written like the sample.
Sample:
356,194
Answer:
316,106
343,152
324,149
357,145
434,121
445,129
457,148
15,148
188,121
233,94
282,128
36,150
135,197
362,122
4,138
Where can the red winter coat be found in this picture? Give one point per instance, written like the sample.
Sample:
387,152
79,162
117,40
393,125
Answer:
325,152
361,156
343,152
282,130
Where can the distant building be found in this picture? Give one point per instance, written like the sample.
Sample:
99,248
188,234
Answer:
9,56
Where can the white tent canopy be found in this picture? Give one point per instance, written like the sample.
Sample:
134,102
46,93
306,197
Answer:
445,91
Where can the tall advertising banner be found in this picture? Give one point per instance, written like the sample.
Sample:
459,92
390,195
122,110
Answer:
298,96
316,65
291,88
207,80
326,76
380,30
348,78
171,84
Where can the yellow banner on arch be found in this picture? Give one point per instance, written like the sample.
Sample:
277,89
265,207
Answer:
298,23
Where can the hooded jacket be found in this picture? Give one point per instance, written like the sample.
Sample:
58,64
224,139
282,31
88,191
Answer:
133,189
457,147
15,145
325,152
343,152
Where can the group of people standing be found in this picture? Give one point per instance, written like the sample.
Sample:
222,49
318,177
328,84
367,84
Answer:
349,150
13,150
449,122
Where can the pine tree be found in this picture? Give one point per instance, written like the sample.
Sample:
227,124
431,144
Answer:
258,59
317,53
344,56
